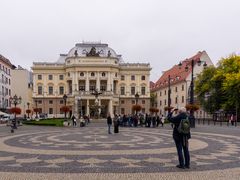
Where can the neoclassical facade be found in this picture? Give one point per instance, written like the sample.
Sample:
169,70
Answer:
85,68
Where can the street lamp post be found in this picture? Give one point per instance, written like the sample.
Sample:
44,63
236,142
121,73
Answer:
65,103
28,107
36,101
15,100
136,97
169,94
80,103
191,117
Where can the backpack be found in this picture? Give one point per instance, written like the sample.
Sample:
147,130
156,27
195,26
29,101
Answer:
184,126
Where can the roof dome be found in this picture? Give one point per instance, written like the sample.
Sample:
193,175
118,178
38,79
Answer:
92,49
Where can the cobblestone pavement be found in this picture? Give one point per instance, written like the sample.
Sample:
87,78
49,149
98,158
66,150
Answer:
135,153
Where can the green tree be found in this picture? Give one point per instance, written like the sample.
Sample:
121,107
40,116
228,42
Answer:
221,84
209,90
229,71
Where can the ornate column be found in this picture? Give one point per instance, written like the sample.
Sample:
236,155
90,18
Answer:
76,81
109,82
98,81
110,107
76,105
99,103
87,107
87,82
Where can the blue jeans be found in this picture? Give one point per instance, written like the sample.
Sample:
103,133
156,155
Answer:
182,148
109,128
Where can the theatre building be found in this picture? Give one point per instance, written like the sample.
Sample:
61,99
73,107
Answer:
86,69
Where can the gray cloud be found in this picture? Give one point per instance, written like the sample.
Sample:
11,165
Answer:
155,31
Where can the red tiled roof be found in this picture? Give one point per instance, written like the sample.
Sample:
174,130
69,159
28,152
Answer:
151,84
177,73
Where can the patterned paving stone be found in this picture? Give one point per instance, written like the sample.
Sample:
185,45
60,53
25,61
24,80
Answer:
92,150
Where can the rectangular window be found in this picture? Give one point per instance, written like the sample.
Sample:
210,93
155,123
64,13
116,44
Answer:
50,111
50,102
6,91
143,91
81,88
122,77
165,102
39,77
122,101
160,103
92,88
50,90
133,78
61,101
103,88
39,89
50,77
182,99
122,111
61,90
133,101
175,89
182,87
176,100
61,77
165,92
143,78
39,101
132,90
160,93
143,101
122,90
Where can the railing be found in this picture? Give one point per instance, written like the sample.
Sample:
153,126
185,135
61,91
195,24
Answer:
211,121
89,93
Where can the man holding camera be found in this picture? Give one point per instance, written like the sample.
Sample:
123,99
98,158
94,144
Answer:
180,136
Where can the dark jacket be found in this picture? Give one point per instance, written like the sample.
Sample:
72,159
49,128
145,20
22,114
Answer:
176,121
109,120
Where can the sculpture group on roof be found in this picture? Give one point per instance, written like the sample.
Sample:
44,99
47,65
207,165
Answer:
93,53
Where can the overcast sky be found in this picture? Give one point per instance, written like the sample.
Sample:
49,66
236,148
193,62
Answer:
161,32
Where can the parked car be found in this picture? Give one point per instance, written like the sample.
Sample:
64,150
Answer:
7,117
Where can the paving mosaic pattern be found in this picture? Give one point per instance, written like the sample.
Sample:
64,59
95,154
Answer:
92,150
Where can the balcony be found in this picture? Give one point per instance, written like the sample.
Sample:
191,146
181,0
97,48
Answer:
88,93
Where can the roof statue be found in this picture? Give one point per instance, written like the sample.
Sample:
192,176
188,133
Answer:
75,53
93,52
109,53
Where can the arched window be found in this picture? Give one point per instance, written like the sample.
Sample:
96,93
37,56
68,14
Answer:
92,74
103,74
81,74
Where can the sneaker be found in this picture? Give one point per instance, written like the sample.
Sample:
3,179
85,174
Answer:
179,166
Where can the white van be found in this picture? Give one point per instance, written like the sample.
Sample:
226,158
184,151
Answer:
7,117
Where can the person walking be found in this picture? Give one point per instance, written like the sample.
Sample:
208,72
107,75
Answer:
181,138
109,123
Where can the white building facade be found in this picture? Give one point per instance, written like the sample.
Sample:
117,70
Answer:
85,68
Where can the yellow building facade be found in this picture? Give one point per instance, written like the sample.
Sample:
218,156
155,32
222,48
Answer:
85,68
